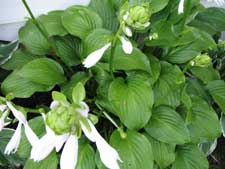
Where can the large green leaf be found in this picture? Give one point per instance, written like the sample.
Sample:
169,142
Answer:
204,123
158,5
190,157
155,68
33,40
217,91
206,74
166,125
132,100
69,49
184,53
134,61
52,23
106,11
86,157
21,87
80,21
164,154
210,20
19,59
167,90
50,162
7,50
43,71
96,40
135,150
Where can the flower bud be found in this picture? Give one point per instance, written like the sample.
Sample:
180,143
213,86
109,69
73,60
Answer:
137,17
203,60
62,118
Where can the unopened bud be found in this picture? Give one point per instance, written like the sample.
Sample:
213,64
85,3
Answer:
203,60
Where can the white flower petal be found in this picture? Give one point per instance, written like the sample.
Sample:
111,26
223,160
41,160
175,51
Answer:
69,154
31,136
14,142
89,135
128,31
43,147
109,156
54,104
147,24
18,114
60,140
2,124
83,111
3,107
126,45
125,17
95,56
181,7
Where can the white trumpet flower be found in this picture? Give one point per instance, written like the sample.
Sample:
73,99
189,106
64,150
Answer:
13,144
95,56
181,7
126,45
69,156
128,31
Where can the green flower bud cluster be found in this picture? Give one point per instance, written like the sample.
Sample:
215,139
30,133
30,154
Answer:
203,60
63,118
138,17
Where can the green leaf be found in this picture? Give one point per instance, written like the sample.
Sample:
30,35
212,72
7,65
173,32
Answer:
197,88
86,157
158,5
69,49
43,71
79,93
60,97
21,87
96,40
167,126
164,154
211,20
52,23
18,60
208,147
80,21
33,40
67,88
217,90
190,157
50,162
106,11
167,90
155,67
132,100
7,50
184,53
206,74
134,61
204,124
135,150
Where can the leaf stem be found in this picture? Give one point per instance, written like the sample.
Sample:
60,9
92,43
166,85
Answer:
45,34
114,42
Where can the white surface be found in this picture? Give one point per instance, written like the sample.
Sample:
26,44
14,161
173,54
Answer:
13,13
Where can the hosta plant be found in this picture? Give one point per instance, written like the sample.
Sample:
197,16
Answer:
117,84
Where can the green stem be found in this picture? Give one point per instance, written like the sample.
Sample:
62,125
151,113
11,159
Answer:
114,42
186,13
110,119
45,34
